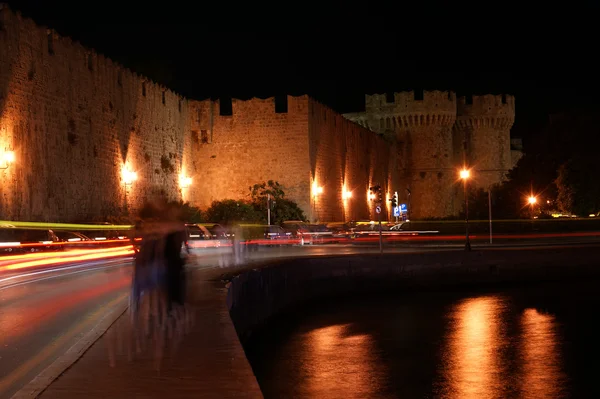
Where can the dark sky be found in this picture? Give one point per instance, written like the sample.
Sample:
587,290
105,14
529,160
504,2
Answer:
337,51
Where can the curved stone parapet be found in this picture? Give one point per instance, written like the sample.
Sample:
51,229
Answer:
254,296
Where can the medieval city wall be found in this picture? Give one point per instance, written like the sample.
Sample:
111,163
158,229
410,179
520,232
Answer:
74,119
346,157
252,145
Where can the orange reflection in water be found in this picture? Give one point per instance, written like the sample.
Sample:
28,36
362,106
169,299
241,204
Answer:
542,374
472,366
340,365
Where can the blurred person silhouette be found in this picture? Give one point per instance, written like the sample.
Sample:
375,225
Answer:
175,243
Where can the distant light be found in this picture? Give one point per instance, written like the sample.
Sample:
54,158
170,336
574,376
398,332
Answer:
347,195
464,174
532,200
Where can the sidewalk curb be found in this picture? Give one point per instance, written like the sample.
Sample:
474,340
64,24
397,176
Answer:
42,381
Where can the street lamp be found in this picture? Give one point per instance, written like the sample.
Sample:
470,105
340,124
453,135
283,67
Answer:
128,176
184,181
7,159
464,175
532,201
317,190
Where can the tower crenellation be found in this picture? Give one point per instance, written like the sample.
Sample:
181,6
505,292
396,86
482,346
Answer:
497,111
437,132
482,135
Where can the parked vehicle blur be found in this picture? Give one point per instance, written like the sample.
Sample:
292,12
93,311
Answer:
299,230
199,237
320,233
72,239
341,231
15,240
254,235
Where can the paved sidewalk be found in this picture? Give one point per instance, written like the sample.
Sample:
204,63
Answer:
209,363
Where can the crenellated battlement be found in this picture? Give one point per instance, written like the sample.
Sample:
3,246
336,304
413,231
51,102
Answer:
488,105
412,101
68,51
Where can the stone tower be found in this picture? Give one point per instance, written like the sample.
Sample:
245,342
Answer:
421,122
436,135
482,136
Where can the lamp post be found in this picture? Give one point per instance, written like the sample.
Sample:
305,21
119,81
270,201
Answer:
409,209
464,175
532,201
490,210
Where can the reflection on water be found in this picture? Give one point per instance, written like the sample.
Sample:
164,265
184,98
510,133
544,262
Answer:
497,345
473,368
337,360
542,376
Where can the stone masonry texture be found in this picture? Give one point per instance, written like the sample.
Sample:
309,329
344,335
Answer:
437,134
75,120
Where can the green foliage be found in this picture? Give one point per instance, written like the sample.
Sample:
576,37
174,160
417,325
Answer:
566,196
259,192
578,188
231,211
187,212
282,209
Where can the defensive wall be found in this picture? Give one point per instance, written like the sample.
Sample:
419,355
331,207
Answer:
302,144
74,119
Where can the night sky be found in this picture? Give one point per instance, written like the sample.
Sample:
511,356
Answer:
338,51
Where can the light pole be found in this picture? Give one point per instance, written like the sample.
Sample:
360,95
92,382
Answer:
464,175
409,209
490,210
532,201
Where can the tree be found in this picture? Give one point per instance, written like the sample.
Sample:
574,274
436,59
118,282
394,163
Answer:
578,188
282,209
232,211
260,192
566,195
188,213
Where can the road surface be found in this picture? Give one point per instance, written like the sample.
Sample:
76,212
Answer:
43,313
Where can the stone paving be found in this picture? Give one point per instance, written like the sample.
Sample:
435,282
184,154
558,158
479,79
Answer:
209,363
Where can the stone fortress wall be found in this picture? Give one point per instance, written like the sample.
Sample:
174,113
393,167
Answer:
437,133
74,119
296,141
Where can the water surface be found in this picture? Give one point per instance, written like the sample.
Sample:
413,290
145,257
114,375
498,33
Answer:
531,341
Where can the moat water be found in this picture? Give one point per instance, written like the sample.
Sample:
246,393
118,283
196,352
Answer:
531,341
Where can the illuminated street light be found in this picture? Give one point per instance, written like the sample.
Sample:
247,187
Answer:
184,181
532,200
128,176
346,195
7,159
464,175
316,191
